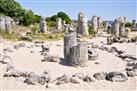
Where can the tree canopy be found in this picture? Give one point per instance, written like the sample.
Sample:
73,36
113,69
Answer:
62,15
13,9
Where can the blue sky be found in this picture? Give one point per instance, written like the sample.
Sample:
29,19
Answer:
106,9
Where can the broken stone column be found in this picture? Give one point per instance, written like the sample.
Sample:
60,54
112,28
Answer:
133,23
42,25
69,41
95,24
59,24
82,24
78,54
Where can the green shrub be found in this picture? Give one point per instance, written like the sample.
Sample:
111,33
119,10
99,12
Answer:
51,24
128,24
90,30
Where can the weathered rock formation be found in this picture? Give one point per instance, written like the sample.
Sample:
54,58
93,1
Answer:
6,23
106,25
95,24
118,27
82,24
133,23
99,22
69,41
59,24
78,54
42,25
75,54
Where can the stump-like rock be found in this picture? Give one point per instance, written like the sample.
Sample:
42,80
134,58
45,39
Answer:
78,54
69,41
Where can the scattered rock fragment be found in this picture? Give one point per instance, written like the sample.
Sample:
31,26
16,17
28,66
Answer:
100,76
87,79
116,77
50,58
92,54
63,79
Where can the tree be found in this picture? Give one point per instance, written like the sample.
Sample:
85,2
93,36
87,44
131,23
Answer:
64,17
128,24
13,9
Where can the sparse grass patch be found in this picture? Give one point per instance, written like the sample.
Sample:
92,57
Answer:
47,36
8,36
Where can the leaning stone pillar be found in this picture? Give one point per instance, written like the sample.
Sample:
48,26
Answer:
69,41
78,54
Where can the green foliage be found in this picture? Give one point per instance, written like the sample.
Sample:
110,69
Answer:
51,20
128,24
13,9
51,24
34,28
90,30
64,17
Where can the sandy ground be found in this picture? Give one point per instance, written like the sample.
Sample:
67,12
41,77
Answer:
24,60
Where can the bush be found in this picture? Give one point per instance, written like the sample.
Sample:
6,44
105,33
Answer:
90,30
13,9
51,23
34,28
128,24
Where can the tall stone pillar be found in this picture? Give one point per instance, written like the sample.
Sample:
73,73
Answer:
122,21
78,54
59,24
69,41
43,25
82,24
94,22
133,23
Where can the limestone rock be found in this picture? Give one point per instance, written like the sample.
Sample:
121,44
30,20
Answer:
78,54
50,58
42,25
87,78
69,41
75,80
63,79
59,24
79,75
82,24
92,54
116,77
131,73
100,76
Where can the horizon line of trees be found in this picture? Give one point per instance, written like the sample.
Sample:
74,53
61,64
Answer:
25,17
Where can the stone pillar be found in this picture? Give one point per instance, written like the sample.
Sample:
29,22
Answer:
69,41
133,23
78,54
43,25
95,25
99,22
2,23
106,25
115,28
59,24
7,24
122,21
82,24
